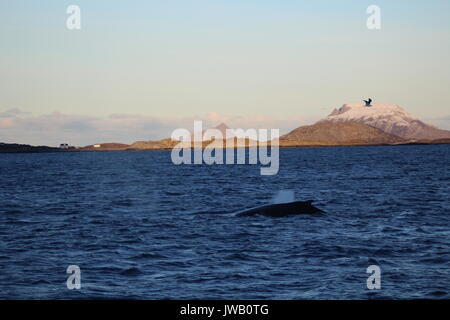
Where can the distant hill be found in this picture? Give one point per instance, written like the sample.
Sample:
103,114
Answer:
149,145
169,143
338,133
223,129
387,117
25,148
110,146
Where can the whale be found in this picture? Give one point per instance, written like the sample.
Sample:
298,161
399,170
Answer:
282,209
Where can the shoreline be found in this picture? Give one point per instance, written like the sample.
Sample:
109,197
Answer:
6,148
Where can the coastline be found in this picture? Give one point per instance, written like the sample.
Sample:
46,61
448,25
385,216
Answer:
23,148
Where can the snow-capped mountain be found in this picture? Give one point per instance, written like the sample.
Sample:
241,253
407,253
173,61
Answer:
388,117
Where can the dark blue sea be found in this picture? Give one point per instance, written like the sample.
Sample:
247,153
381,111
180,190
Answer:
140,227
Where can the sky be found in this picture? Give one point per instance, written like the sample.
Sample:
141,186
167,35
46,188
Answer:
137,70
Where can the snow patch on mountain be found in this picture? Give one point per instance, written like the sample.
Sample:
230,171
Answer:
377,112
390,118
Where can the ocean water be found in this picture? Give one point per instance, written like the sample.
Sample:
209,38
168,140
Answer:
140,227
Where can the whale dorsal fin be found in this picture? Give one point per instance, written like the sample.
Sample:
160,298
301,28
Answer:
283,196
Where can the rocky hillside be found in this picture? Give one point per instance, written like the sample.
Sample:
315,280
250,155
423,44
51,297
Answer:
338,133
149,145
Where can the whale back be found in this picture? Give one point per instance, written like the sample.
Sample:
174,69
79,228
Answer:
283,209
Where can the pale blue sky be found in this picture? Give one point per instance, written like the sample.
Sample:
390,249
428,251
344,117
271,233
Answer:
170,60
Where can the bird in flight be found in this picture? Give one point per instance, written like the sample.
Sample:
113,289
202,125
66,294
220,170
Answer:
368,102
